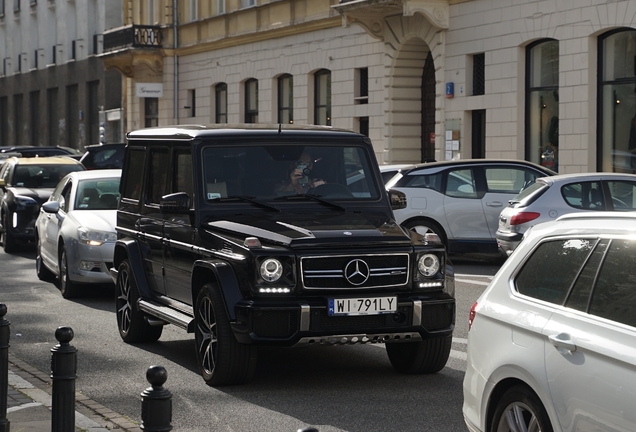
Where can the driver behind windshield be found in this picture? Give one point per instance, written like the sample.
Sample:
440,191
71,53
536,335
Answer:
299,180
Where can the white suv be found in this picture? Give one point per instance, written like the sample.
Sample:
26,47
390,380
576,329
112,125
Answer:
552,340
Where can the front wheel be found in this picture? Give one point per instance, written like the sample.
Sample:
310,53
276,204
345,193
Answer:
425,357
221,358
519,409
131,322
40,268
68,288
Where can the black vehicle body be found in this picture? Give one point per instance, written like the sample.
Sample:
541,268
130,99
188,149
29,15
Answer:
25,184
103,156
186,243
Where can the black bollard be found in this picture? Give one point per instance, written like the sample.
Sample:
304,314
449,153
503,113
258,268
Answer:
156,402
4,368
63,374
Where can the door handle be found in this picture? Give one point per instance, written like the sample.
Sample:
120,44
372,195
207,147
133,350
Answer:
494,204
562,340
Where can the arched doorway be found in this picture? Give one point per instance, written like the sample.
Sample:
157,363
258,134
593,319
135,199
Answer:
428,109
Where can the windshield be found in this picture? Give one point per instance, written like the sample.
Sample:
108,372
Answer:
42,176
97,194
270,171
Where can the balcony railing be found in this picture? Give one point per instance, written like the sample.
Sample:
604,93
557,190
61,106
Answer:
134,36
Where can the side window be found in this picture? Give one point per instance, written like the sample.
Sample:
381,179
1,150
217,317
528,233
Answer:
134,174
182,179
584,195
157,177
65,197
429,181
613,297
508,179
461,184
580,295
623,195
552,268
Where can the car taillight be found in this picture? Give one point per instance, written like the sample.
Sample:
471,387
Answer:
523,217
471,315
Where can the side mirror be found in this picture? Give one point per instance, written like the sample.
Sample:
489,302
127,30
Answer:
51,206
178,202
2,183
398,199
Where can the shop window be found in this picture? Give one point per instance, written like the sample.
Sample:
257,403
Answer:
542,103
617,102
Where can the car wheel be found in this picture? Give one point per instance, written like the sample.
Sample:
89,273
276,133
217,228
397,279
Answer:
519,409
8,242
68,288
425,357
40,268
222,359
131,322
423,226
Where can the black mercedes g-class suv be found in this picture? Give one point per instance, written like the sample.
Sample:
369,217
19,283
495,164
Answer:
273,235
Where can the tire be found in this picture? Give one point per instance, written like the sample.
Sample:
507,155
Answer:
68,288
221,358
8,242
519,409
425,357
41,269
424,226
131,322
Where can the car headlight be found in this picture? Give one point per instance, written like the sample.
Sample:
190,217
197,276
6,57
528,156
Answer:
271,270
428,265
22,200
94,237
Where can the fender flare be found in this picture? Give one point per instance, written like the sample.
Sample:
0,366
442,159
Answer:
129,249
226,279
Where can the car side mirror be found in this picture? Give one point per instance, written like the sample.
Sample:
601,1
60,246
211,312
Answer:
178,202
398,199
2,183
51,206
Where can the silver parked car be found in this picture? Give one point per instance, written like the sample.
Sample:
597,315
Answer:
551,197
75,230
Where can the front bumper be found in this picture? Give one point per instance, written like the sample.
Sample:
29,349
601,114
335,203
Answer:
308,322
21,225
99,257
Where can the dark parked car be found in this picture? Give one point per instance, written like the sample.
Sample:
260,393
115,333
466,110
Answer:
103,156
213,239
26,183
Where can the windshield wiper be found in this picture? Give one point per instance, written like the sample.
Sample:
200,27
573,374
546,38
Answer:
313,197
246,199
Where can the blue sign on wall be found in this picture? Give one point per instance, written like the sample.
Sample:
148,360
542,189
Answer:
450,90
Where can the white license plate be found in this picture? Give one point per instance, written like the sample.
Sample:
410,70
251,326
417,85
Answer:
362,306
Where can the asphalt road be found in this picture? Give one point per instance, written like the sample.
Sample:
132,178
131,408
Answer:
331,388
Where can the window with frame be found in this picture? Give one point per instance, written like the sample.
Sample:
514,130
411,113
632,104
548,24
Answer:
220,7
182,178
16,5
157,178
286,99
134,174
623,194
194,10
322,97
508,179
479,74
616,150
2,7
247,3
552,269
251,101
460,183
220,103
584,195
542,103
151,112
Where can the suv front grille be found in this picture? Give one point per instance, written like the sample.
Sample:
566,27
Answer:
355,271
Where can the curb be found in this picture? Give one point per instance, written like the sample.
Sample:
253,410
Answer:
29,387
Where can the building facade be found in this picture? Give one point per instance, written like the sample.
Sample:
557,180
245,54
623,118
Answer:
551,81
52,86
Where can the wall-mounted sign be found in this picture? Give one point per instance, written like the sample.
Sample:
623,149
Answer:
450,89
149,90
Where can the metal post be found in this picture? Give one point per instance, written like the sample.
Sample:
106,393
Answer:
63,374
156,402
4,368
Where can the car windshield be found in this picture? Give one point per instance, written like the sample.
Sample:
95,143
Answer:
97,194
42,176
270,171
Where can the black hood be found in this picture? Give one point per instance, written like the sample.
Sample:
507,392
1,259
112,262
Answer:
294,229
41,195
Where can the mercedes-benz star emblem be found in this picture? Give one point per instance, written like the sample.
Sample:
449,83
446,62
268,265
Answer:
357,272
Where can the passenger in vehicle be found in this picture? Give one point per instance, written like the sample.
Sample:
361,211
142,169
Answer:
299,177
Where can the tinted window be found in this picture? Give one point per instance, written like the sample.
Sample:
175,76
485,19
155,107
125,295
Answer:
182,179
157,177
580,294
614,295
134,174
42,176
427,181
552,268
584,195
109,157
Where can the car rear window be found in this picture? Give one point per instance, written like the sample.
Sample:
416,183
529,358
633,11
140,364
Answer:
529,195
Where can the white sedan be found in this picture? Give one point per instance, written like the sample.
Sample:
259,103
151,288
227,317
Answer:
75,230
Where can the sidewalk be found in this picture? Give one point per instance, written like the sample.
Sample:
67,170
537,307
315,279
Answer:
29,404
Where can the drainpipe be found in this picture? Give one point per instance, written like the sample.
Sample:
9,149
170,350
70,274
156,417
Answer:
175,14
